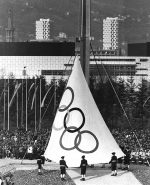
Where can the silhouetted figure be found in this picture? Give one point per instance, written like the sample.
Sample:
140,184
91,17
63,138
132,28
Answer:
63,167
43,159
83,166
127,159
113,163
39,162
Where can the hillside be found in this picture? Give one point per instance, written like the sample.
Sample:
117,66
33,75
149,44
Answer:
65,17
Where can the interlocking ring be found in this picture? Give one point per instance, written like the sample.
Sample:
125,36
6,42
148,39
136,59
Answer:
67,114
77,143
72,129
54,127
77,140
71,90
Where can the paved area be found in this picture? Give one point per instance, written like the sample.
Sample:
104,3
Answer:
25,164
94,176
102,177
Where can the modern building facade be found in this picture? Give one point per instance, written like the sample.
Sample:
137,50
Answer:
122,67
43,29
55,60
44,58
110,33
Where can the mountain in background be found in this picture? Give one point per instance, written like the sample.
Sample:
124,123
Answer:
65,17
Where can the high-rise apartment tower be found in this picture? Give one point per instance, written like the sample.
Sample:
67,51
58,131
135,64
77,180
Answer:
43,29
110,33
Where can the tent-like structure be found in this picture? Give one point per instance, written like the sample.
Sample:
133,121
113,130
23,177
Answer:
78,127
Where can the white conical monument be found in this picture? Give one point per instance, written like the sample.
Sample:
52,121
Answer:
79,128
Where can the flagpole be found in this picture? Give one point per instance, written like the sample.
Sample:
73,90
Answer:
54,96
26,105
40,106
22,106
17,106
23,74
35,104
4,125
8,104
85,37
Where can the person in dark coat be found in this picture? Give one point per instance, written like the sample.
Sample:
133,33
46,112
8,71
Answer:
63,167
43,159
127,159
113,163
83,166
39,163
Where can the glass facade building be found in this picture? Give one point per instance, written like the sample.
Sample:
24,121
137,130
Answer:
56,60
36,58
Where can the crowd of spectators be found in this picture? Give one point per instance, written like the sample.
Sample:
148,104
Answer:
21,144
135,141
138,141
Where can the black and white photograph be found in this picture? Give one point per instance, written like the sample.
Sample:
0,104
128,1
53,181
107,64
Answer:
74,92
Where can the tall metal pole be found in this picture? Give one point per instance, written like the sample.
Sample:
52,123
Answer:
4,125
17,107
22,106
85,37
54,96
8,104
35,106
24,74
26,105
40,106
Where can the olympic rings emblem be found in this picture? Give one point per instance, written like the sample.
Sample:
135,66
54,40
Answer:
75,146
65,122
66,107
77,140
73,129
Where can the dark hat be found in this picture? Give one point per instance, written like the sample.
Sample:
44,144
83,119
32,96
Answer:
113,153
83,156
62,157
